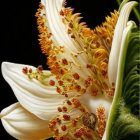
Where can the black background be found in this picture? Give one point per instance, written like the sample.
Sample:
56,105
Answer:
19,36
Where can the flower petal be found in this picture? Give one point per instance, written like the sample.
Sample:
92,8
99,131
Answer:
119,79
23,125
116,44
77,55
67,53
37,98
94,103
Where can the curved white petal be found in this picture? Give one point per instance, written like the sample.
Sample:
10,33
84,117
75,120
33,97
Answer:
60,37
124,44
23,125
117,39
38,99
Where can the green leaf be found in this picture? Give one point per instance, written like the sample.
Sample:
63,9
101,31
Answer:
124,121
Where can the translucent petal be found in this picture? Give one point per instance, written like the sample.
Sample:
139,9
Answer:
23,125
37,98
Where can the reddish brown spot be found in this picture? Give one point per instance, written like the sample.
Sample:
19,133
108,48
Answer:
76,102
25,70
69,31
66,95
82,109
40,67
36,77
62,71
64,61
41,6
78,88
64,109
76,76
89,78
59,109
97,54
56,132
88,66
83,90
113,84
52,83
70,25
73,36
58,120
30,70
104,72
54,122
87,83
58,90
62,138
61,13
69,102
64,128
52,125
105,86
94,92
78,134
49,35
66,117
74,122
60,83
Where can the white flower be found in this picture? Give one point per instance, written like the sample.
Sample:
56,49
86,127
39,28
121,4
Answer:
77,84
40,101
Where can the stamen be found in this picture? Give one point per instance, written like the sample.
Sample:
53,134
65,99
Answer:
64,128
76,76
25,70
66,117
59,109
52,82
101,121
64,109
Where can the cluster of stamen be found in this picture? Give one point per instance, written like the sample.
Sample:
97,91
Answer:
85,125
45,36
96,44
39,75
101,121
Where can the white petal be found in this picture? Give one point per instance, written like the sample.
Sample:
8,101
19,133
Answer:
37,98
60,37
117,39
121,65
23,125
93,103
